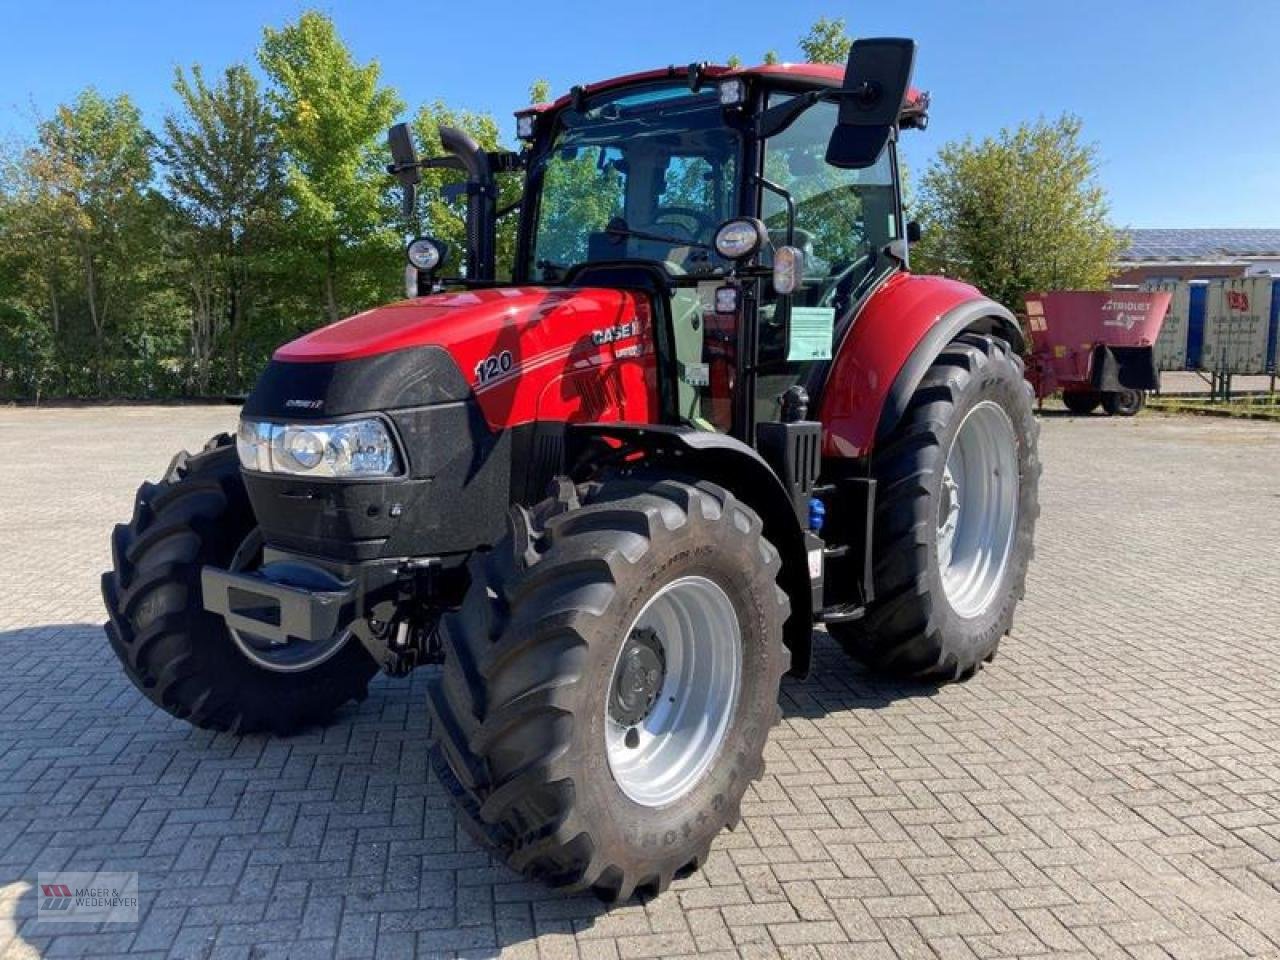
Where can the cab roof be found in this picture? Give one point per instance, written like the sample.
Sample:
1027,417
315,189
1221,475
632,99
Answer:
813,74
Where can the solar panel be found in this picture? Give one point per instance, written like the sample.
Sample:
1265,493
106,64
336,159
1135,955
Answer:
1200,244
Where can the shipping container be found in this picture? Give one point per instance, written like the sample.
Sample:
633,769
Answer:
1237,325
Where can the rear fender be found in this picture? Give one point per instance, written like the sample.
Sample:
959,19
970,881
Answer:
729,463
891,344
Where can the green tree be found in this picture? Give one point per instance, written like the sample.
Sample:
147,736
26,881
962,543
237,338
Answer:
37,269
85,184
771,57
332,116
827,41
1018,212
224,174
28,358
540,91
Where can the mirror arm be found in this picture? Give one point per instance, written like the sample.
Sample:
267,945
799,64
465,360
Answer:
788,200
776,119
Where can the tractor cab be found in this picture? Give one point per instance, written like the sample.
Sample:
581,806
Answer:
735,198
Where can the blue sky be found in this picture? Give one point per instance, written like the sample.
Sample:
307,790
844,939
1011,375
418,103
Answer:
1178,94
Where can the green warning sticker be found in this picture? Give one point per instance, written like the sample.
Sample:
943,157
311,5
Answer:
811,332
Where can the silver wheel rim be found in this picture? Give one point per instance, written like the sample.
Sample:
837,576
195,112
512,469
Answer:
978,509
294,656
666,739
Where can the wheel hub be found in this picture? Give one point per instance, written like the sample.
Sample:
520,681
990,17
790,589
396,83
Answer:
641,671
978,509
948,516
673,691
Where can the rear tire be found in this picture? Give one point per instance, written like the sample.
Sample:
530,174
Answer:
932,618
1123,403
1081,402
521,714
183,658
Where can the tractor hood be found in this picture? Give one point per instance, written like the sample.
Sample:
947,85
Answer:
523,354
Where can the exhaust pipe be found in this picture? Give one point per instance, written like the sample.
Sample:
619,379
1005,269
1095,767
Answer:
482,202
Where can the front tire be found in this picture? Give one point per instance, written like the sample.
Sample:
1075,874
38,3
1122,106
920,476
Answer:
563,670
183,658
955,517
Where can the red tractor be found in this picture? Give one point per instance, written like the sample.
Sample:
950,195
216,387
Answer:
612,497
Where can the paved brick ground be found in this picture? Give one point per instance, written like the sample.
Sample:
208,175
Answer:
1109,787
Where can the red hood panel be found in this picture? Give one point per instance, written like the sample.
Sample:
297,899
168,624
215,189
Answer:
530,353
446,319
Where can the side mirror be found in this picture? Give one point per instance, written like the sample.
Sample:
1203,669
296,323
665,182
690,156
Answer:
913,231
404,166
876,81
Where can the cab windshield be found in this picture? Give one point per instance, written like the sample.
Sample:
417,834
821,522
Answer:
646,174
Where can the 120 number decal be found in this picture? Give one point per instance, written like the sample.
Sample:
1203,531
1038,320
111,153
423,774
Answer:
494,366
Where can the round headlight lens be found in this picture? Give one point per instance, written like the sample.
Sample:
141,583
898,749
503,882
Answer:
425,254
739,239
305,448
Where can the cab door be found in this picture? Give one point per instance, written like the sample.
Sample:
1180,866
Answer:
843,221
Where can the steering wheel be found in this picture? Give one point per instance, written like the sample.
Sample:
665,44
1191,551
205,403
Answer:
833,283
700,220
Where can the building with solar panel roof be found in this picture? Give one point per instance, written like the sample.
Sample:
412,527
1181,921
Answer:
1200,254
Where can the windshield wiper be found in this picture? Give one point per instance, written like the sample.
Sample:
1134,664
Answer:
618,228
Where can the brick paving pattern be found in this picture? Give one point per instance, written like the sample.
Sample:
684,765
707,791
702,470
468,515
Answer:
1109,787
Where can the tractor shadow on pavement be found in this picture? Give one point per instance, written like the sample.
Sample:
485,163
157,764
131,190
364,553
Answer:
838,683
336,837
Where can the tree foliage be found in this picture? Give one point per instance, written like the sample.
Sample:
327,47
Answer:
1017,212
827,42
332,115
81,226
540,91
223,168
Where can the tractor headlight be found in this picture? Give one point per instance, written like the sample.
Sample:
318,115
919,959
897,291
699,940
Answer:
739,239
425,253
353,448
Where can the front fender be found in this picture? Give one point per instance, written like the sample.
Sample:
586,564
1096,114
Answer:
893,340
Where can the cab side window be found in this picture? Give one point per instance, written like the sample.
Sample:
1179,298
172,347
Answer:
842,216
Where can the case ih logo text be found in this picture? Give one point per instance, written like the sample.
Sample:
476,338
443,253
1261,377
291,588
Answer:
614,334
1237,300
